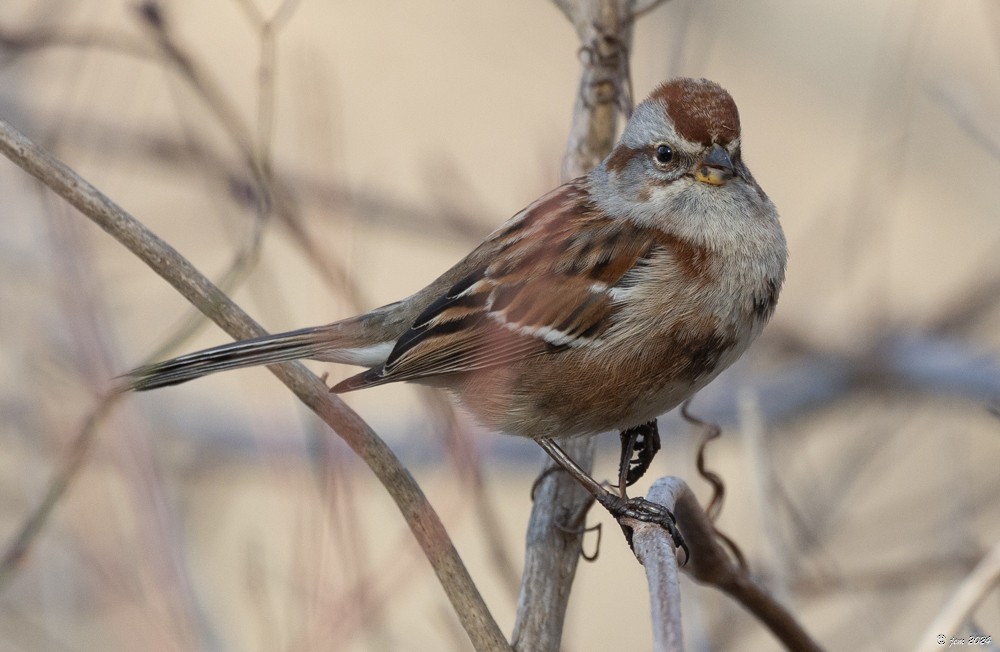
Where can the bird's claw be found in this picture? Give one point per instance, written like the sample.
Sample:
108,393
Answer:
643,510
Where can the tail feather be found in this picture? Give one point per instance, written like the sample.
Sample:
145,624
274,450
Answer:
367,378
269,349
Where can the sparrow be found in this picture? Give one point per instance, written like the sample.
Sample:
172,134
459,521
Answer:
603,304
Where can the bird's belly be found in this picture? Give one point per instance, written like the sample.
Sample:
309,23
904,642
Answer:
569,394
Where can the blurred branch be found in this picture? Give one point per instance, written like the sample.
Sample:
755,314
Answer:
983,579
554,538
968,112
17,43
267,30
273,194
20,544
811,377
372,203
643,7
263,191
227,115
971,304
263,188
468,463
419,515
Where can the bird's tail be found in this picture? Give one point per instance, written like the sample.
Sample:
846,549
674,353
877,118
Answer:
338,342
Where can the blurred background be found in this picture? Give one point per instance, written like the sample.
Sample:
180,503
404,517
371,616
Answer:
861,434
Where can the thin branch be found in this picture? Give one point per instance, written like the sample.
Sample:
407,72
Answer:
656,551
468,464
983,579
18,43
267,32
378,209
644,7
79,451
971,113
270,190
165,261
274,195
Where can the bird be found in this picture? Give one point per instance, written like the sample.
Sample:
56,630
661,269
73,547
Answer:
600,306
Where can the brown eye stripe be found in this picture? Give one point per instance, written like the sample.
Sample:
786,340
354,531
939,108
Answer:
620,158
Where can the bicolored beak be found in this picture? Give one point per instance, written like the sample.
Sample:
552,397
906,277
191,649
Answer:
716,168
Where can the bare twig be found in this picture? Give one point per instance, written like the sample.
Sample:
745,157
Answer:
985,577
267,29
656,551
969,112
273,194
332,195
469,466
643,7
605,31
419,515
710,432
552,551
79,451
15,43
270,192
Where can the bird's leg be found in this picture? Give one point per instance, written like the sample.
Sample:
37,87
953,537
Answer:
620,507
642,442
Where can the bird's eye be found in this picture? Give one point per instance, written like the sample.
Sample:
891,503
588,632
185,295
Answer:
664,154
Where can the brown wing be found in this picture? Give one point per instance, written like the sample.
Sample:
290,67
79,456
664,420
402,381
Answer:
543,284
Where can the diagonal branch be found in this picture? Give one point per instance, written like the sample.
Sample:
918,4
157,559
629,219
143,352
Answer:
959,608
176,270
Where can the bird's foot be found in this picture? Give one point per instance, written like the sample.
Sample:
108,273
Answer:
640,509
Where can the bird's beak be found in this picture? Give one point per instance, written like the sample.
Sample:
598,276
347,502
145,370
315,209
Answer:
716,168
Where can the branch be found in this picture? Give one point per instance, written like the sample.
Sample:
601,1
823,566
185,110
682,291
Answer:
985,577
274,195
20,545
655,550
605,31
711,564
176,270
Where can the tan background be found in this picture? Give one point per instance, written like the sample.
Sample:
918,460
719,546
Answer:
407,130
